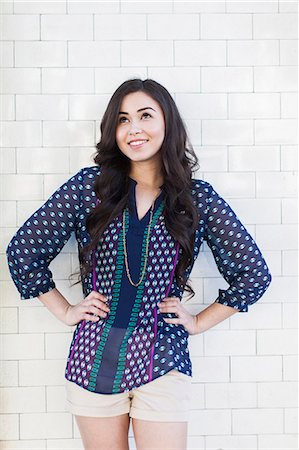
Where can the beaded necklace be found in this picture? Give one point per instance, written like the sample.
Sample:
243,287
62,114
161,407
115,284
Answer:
146,247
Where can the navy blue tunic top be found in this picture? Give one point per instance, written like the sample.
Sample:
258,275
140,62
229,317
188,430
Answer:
134,239
134,345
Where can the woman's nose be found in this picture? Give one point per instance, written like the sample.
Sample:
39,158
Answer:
134,129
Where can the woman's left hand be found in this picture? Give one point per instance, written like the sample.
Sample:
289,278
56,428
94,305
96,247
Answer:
173,305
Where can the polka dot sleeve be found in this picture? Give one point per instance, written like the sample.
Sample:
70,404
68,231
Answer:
41,238
237,255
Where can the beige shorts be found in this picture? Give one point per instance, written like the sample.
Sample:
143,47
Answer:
165,399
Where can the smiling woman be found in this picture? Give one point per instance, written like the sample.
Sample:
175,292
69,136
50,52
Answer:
140,219
140,133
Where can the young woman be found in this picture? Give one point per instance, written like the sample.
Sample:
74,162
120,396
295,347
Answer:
139,219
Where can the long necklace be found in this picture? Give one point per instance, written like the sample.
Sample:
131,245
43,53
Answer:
146,251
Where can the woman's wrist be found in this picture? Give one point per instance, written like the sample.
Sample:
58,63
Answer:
56,304
198,324
212,315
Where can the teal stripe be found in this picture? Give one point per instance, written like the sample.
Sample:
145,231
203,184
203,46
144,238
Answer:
113,308
136,307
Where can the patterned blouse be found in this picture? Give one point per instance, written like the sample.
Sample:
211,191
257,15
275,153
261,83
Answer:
133,345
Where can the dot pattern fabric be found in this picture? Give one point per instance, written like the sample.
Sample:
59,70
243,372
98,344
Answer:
133,345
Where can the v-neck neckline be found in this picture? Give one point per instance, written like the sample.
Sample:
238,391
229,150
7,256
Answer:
135,182
145,219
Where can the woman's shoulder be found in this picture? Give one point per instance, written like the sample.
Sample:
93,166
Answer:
90,171
85,176
199,185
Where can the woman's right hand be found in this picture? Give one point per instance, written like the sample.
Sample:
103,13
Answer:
91,308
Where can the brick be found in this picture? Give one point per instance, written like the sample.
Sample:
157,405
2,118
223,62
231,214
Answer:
202,106
144,53
20,81
288,52
67,81
220,343
40,54
22,346
200,53
22,400
227,79
41,372
255,158
41,160
59,27
253,106
45,425
15,27
226,26
257,421
177,79
8,373
231,395
94,54
173,26
253,53
73,133
120,27
275,79
277,342
277,394
145,6
274,26
7,59
256,368
9,426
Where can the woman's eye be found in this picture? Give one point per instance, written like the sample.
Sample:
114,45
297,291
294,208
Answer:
123,119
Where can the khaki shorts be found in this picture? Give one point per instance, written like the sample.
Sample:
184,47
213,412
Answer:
165,399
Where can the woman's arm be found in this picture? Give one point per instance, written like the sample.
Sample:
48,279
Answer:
212,315
56,303
238,258
91,308
42,236
239,261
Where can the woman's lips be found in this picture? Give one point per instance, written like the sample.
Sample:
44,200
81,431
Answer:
137,144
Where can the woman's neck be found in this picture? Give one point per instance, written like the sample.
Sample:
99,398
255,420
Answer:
148,181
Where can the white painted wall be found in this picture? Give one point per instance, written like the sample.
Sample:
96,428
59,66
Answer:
232,69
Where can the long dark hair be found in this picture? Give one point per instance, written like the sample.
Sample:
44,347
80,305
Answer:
112,185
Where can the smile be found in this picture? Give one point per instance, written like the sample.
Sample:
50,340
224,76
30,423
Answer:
136,144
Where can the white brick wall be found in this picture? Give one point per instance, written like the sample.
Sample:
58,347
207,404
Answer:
232,69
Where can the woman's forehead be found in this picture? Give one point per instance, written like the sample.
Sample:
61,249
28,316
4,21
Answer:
138,100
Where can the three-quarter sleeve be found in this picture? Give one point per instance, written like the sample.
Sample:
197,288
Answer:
238,258
39,240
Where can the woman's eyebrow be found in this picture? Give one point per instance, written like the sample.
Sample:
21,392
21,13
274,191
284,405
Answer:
141,109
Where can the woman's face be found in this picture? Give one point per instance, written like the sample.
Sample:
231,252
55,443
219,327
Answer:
141,127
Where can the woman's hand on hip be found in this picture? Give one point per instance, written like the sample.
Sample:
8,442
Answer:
91,308
173,305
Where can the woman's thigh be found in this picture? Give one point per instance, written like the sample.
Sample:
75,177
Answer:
164,399
151,435
160,412
104,433
103,420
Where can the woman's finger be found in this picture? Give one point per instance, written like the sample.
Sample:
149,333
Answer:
91,318
174,300
97,303
174,321
171,301
101,305
96,295
169,309
97,311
